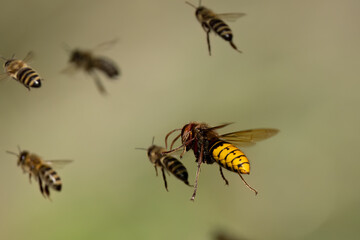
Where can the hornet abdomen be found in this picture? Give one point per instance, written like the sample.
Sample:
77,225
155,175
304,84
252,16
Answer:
230,157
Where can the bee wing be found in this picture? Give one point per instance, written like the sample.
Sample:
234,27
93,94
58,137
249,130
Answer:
69,70
58,163
249,137
29,56
230,17
3,76
105,45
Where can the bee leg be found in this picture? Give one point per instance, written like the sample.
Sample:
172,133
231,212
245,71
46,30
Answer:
156,170
207,30
47,192
30,177
41,186
222,175
197,173
252,189
98,83
234,47
164,177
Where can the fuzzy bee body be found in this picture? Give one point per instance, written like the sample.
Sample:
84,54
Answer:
41,171
211,21
22,72
88,62
167,163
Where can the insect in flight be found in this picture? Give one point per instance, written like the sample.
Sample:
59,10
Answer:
22,72
209,147
211,21
42,171
86,60
167,163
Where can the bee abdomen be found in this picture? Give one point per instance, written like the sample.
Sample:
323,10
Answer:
107,67
29,77
230,157
221,28
50,177
176,168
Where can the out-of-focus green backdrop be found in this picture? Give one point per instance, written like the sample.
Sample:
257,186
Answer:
299,72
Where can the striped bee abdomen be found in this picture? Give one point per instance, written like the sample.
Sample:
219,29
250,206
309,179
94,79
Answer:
176,167
107,66
230,157
221,28
50,177
29,77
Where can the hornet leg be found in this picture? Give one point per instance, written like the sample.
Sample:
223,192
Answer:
222,175
252,189
197,173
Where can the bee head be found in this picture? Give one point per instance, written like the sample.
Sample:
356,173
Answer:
76,56
22,157
155,153
7,62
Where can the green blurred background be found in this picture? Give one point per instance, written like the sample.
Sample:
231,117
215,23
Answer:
299,73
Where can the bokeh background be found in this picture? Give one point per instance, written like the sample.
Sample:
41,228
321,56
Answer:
299,72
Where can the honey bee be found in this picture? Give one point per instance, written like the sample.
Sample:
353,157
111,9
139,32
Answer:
167,163
86,60
42,171
22,72
212,21
209,147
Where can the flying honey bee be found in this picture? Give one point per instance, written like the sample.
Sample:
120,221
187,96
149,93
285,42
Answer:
166,163
86,60
209,147
42,171
22,72
211,21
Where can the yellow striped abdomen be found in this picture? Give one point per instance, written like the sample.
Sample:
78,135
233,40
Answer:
230,157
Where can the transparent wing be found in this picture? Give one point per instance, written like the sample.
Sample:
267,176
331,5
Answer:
249,137
29,56
105,45
58,163
71,69
220,126
3,76
230,17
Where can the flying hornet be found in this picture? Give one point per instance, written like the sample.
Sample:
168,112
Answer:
209,147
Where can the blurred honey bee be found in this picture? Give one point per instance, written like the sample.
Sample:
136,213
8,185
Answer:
209,147
166,163
22,72
42,171
86,60
211,21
